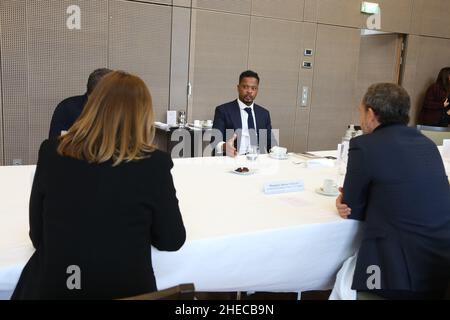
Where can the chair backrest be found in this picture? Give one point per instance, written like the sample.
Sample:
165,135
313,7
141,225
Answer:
180,292
436,134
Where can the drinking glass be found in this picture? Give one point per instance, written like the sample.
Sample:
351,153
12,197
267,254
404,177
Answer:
252,153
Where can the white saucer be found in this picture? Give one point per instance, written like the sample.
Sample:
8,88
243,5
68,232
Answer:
281,157
200,127
323,193
251,172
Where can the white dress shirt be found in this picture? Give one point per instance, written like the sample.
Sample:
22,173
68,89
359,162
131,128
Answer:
245,137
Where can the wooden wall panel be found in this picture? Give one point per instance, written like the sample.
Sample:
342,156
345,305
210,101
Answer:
282,9
234,6
14,61
335,12
179,67
378,62
431,18
396,15
302,116
140,43
274,54
333,95
217,59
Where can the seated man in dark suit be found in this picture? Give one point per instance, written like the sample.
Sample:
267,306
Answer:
68,111
249,122
396,183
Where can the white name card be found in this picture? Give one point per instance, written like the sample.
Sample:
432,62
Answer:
284,187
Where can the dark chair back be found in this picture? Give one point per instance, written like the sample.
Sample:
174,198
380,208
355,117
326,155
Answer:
180,292
436,134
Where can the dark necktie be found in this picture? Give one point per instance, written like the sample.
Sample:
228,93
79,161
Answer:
251,127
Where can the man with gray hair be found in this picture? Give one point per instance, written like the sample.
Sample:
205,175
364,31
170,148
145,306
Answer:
396,183
68,111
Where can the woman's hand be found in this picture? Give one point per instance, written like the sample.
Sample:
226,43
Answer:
446,103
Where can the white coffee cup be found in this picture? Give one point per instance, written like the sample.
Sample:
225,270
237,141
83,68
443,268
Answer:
278,151
197,123
330,186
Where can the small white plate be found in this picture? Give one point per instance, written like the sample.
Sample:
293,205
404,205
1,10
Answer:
251,172
200,127
281,157
323,193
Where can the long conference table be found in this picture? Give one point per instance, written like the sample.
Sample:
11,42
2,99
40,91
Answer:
291,242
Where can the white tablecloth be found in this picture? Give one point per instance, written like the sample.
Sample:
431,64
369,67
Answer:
280,243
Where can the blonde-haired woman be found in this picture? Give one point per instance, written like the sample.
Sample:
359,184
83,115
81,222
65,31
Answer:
101,196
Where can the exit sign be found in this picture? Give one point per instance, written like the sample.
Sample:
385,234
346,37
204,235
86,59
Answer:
370,7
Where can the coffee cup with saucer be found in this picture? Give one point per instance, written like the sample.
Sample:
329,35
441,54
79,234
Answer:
329,188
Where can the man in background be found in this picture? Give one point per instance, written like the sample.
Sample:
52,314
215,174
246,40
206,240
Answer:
250,122
68,111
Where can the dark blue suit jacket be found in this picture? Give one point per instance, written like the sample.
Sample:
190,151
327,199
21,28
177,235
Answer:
228,116
66,113
396,183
